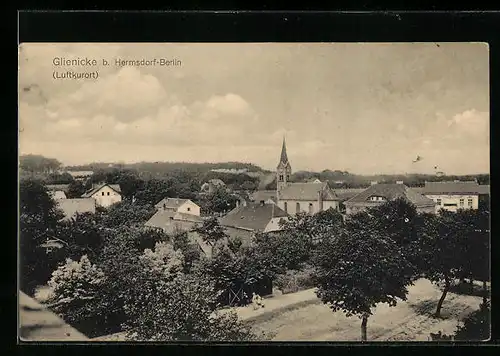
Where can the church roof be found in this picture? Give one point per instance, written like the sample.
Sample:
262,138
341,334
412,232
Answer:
307,191
284,157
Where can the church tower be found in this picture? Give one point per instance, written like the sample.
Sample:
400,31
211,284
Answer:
284,170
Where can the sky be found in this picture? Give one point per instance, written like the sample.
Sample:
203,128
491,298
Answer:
367,108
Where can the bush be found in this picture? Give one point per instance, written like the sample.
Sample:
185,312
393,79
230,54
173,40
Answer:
294,280
75,294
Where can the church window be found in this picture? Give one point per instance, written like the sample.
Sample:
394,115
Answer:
310,208
285,207
297,207
281,177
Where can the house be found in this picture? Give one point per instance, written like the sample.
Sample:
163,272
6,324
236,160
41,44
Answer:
105,194
71,207
454,195
268,196
178,205
37,323
57,191
172,222
247,219
212,185
378,194
311,197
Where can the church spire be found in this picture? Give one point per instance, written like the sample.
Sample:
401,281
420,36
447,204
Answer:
284,157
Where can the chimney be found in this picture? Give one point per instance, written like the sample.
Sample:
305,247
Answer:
399,182
373,182
320,200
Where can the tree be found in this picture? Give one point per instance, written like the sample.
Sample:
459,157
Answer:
82,236
168,305
190,250
76,295
219,201
38,222
211,231
441,249
398,220
358,269
75,189
128,213
477,326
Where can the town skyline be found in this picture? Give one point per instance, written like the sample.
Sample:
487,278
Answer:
361,108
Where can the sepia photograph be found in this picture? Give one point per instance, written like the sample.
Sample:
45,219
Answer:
254,192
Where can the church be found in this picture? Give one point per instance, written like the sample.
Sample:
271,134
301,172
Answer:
308,198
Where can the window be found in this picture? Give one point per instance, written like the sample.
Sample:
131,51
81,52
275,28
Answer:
461,203
102,193
188,209
285,207
287,177
438,201
297,207
108,193
281,177
469,201
377,198
310,208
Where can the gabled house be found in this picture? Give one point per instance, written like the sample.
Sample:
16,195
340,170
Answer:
105,194
247,219
455,195
378,194
178,205
71,207
173,223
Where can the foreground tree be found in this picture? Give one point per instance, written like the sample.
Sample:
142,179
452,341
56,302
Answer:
168,305
211,231
75,294
442,250
38,221
358,269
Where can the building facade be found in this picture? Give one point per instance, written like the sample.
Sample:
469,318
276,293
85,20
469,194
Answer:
378,194
105,195
452,196
310,197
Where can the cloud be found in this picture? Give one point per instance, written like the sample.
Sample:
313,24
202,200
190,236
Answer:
130,106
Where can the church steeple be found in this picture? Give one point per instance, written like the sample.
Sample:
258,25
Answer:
284,169
284,157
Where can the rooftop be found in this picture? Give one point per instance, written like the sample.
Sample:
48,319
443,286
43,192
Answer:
171,203
252,216
115,187
454,187
391,192
71,207
171,221
37,323
307,191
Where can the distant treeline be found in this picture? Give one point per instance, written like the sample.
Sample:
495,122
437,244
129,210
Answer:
343,179
198,173
166,167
